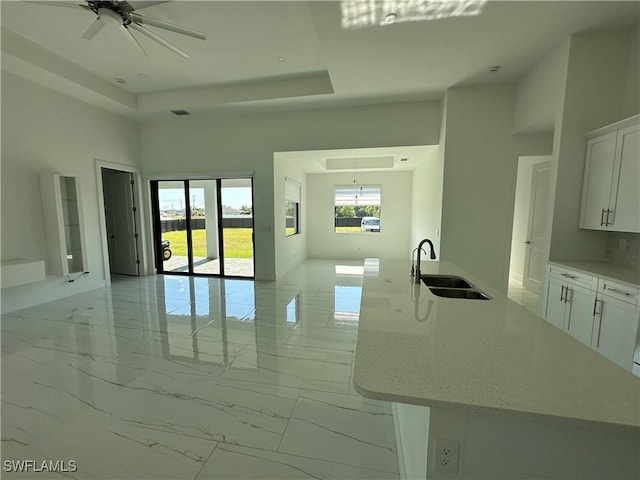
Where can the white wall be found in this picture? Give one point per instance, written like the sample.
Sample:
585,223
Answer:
291,250
45,131
395,217
519,447
479,180
238,141
521,214
426,200
595,86
631,96
426,196
540,92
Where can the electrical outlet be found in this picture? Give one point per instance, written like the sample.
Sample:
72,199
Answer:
446,455
622,244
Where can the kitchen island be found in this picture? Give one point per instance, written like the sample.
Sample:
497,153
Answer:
518,397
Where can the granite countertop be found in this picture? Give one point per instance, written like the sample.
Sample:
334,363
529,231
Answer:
481,355
601,269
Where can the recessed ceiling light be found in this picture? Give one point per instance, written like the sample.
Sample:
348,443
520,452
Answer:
120,80
494,69
282,59
390,17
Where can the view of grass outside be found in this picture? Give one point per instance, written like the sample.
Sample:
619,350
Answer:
237,243
347,229
290,231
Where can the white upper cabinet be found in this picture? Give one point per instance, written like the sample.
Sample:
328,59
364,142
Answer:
625,190
611,189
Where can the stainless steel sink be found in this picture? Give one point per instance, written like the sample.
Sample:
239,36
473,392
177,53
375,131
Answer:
444,281
460,293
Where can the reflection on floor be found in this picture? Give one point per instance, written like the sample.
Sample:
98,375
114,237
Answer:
238,267
525,297
169,377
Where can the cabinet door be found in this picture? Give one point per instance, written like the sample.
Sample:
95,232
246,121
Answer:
615,330
598,176
554,313
625,192
579,322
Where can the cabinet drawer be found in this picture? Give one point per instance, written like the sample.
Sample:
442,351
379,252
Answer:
621,291
572,276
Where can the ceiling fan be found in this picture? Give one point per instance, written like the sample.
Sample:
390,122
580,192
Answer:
123,14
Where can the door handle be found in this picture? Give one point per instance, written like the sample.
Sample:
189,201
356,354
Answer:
112,236
602,218
527,242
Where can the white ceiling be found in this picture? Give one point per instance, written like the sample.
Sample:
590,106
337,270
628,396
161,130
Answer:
238,65
357,159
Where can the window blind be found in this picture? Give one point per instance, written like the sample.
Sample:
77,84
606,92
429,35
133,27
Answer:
357,195
292,190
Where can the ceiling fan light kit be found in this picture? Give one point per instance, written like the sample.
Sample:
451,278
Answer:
123,15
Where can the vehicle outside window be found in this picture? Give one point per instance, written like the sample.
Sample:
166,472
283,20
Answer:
370,224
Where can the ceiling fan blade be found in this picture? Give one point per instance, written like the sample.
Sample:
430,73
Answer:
139,19
133,40
154,36
137,5
73,5
94,28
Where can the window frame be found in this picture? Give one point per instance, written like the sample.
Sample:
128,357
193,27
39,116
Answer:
292,195
337,188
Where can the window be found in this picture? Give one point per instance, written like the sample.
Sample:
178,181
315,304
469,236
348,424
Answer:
357,209
292,195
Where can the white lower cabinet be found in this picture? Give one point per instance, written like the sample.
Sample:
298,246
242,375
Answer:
580,316
615,330
570,301
600,313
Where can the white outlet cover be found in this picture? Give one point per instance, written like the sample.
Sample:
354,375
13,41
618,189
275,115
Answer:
446,453
622,244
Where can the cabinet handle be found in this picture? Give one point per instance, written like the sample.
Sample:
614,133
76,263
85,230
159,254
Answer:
602,218
566,295
562,293
607,220
595,308
617,291
599,323
568,276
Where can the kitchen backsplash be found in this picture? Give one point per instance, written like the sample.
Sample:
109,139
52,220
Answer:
630,257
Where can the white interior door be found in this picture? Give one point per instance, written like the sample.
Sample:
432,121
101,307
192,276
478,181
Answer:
119,209
534,259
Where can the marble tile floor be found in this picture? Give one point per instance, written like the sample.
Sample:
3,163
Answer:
525,297
168,377
237,267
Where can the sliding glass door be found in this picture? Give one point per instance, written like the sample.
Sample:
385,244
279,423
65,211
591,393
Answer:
204,227
237,227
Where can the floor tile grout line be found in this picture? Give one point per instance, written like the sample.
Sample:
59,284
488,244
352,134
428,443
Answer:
206,461
288,421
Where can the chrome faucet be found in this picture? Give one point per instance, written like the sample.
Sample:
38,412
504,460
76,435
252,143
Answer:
433,257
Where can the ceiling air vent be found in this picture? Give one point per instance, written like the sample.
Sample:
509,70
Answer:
179,112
